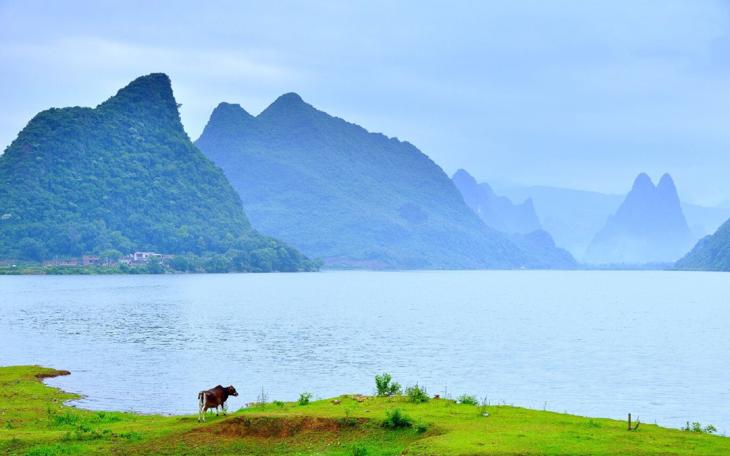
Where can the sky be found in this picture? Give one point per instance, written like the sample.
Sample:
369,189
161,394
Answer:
579,94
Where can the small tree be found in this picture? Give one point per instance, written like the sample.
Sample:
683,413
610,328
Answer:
384,386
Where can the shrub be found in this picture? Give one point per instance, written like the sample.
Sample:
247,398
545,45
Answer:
421,428
697,427
385,387
417,394
395,419
304,398
279,404
359,450
467,399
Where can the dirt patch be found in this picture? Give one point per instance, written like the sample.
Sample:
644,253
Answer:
55,373
280,427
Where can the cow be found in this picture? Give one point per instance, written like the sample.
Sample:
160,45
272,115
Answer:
214,398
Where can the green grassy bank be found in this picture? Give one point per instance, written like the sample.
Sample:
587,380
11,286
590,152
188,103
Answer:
35,421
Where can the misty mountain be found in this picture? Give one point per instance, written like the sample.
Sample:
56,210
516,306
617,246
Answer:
351,197
573,217
123,176
649,226
496,211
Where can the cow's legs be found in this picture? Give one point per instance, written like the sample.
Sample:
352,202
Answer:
201,408
225,409
216,410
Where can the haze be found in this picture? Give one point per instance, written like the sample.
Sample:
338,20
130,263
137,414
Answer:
572,94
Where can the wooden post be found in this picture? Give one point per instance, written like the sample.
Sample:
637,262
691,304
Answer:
629,421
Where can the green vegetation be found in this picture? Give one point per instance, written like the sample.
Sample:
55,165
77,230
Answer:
467,399
417,394
354,198
396,419
304,398
35,421
712,253
124,177
385,386
697,427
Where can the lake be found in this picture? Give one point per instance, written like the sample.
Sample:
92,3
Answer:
597,343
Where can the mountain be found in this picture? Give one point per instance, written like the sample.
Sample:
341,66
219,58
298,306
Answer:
648,227
353,198
711,253
573,217
123,176
496,211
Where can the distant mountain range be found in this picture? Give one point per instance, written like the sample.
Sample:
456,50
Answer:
574,217
355,198
649,226
124,177
496,211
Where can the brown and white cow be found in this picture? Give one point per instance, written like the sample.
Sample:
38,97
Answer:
214,398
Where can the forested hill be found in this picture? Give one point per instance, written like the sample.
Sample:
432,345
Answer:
711,253
354,198
123,176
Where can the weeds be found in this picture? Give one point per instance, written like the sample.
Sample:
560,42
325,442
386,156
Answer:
395,419
416,394
304,398
697,427
359,450
483,407
467,399
262,398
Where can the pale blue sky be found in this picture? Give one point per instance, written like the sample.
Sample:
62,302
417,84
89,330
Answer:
581,94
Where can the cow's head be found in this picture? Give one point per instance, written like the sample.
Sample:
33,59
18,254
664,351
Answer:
231,391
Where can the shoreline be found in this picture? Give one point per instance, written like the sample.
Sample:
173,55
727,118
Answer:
36,419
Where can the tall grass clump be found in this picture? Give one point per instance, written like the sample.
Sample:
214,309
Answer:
385,386
467,399
416,394
396,419
304,398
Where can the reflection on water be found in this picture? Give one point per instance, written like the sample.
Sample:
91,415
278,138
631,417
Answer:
588,342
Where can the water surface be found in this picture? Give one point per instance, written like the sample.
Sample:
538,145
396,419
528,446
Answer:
596,343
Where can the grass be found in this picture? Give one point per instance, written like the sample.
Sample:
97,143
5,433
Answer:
34,421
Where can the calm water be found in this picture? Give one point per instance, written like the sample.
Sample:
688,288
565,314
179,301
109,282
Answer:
592,343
